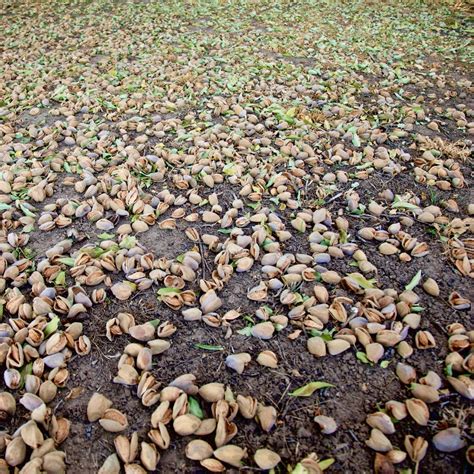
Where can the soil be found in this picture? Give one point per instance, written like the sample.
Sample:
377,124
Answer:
358,388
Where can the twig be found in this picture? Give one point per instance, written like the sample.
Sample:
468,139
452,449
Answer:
204,263
284,393
333,198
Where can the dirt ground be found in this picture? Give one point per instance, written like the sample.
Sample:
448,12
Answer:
140,101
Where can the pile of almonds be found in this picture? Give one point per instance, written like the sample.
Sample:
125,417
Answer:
184,409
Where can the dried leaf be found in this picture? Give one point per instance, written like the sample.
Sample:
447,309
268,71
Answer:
74,393
308,389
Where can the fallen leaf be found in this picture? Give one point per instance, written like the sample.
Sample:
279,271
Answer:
308,389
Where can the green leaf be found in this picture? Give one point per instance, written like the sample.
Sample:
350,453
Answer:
26,211
51,327
414,281
299,469
69,261
249,319
326,334
208,347
4,207
106,236
26,370
364,166
325,463
356,140
246,331
229,169
95,252
362,356
224,231
194,408
385,363
60,279
272,180
362,281
308,389
398,203
28,228
359,211
154,322
275,200
448,370
168,291
128,242
268,309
